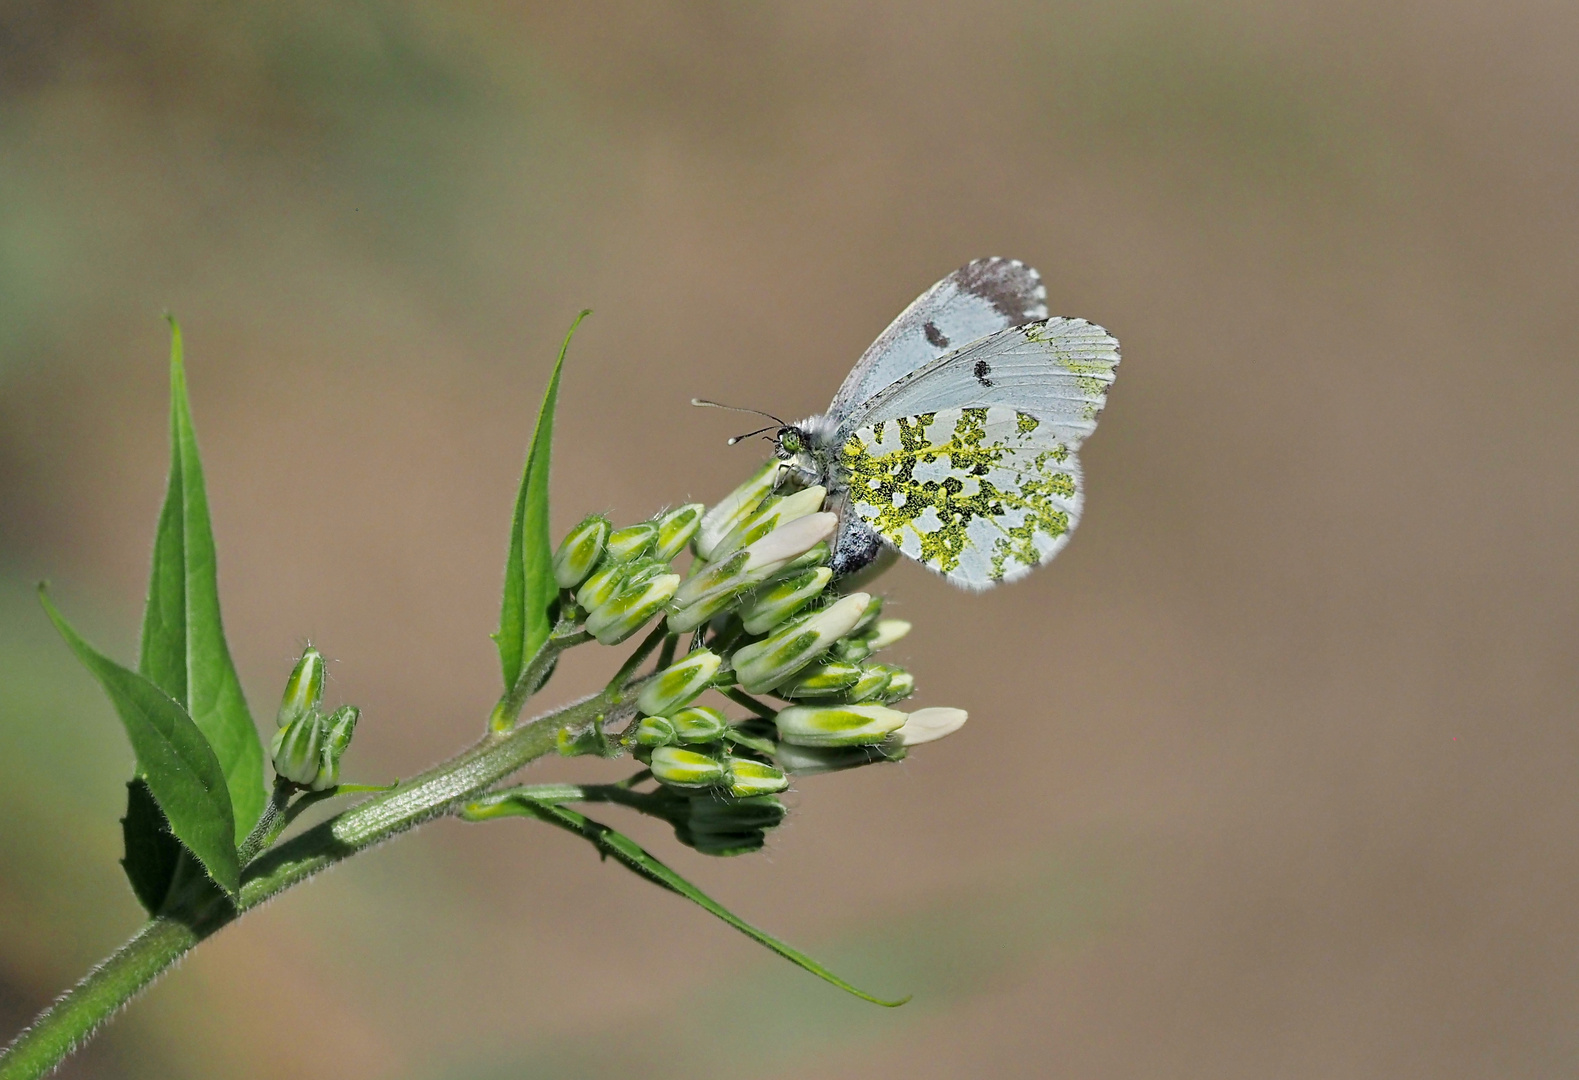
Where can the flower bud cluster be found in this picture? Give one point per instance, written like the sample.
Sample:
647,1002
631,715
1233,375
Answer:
621,578
308,746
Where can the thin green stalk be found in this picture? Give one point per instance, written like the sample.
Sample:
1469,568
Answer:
443,789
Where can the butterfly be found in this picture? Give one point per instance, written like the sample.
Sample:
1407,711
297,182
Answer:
954,439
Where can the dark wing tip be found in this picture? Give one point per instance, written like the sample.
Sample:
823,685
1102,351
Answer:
1009,285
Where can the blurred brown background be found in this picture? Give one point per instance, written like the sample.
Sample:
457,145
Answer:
1272,774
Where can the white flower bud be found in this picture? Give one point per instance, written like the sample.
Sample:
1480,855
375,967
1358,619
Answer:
811,760
774,602
872,682
753,565
775,658
830,678
734,508
748,778
838,725
622,616
631,542
654,731
699,724
675,530
600,588
886,632
580,551
928,725
679,683
678,767
769,517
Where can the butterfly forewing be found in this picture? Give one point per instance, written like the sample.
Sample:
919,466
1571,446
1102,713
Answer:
982,495
978,299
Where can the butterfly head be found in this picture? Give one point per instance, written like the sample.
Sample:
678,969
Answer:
794,444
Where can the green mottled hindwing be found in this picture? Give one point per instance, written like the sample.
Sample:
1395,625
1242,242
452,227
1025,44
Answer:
982,495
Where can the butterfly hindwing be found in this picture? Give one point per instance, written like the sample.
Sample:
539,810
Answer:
982,495
978,299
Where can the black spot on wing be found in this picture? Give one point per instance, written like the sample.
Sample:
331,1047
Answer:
935,337
981,371
1010,286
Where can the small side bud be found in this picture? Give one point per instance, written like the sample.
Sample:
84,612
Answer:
675,530
775,602
600,588
748,778
901,684
852,650
622,616
580,551
699,724
886,633
729,512
679,684
337,732
770,516
827,679
762,666
677,767
296,748
929,725
304,689
872,682
838,725
654,731
631,542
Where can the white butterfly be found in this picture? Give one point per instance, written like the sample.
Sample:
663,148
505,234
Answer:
954,438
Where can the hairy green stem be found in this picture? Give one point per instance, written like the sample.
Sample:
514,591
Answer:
443,789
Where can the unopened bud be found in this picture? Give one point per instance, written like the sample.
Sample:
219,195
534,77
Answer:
816,556
631,542
811,760
838,725
715,826
619,618
872,682
769,516
654,731
852,650
675,530
337,732
928,725
699,724
748,777
679,683
901,684
777,601
752,565
886,632
304,689
775,658
734,508
296,748
677,767
600,588
580,551
874,608
827,679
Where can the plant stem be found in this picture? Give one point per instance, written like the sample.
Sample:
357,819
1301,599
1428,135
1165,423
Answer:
442,790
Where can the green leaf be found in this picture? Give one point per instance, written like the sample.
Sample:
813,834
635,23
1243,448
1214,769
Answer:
183,647
152,851
173,758
635,858
529,587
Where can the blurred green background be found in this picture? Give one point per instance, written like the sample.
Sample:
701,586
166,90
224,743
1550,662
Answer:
1271,774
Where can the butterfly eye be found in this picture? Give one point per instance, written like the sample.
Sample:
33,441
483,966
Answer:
790,441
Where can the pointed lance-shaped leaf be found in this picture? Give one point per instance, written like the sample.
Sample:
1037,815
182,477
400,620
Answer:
173,758
529,584
183,646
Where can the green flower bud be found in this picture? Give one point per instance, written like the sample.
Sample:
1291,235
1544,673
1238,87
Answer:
852,650
868,617
682,768
304,689
773,603
838,725
699,724
600,588
886,633
337,732
929,725
619,618
631,542
769,516
811,760
735,508
827,679
775,658
675,530
654,731
872,683
679,684
580,551
748,777
296,747
683,620
716,826
901,684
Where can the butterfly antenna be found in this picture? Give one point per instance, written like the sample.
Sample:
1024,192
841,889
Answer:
748,434
703,402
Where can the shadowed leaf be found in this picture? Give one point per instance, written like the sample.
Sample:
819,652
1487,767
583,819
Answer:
529,588
176,762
